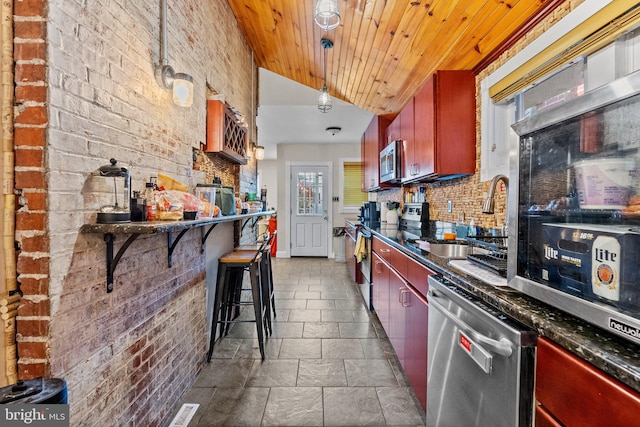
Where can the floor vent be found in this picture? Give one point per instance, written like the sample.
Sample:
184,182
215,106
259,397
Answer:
184,415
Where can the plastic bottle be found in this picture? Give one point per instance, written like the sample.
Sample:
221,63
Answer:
472,229
152,206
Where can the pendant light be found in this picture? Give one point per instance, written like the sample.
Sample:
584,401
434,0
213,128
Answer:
324,101
327,15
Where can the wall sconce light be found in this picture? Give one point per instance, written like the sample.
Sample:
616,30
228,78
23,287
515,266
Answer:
258,151
181,83
327,15
324,100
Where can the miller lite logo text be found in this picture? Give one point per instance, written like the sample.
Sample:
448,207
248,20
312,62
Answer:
550,253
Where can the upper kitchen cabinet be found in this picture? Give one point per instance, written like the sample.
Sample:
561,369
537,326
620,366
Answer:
444,138
225,135
407,135
373,141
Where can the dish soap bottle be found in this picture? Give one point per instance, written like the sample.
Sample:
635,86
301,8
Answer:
471,232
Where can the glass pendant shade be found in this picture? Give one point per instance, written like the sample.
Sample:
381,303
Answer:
183,90
324,100
327,15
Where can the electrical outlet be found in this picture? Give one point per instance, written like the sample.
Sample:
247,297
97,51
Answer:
336,199
449,206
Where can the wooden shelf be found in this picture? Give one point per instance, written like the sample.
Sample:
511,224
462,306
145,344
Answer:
135,229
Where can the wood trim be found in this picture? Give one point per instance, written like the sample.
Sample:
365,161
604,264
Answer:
519,33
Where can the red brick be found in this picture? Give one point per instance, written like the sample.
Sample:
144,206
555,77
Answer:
30,265
30,221
32,116
147,352
34,244
29,8
28,371
35,202
29,158
33,328
34,137
29,29
33,350
26,93
27,51
31,308
29,179
30,286
30,73
136,346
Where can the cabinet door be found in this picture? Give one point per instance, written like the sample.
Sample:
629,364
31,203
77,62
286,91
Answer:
372,140
455,115
576,393
380,289
397,314
415,350
408,141
425,123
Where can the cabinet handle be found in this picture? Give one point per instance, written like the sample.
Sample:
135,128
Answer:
385,250
404,297
375,267
417,168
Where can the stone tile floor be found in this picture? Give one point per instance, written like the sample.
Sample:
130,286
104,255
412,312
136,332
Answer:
328,362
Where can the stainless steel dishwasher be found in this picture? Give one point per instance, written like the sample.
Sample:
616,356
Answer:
480,362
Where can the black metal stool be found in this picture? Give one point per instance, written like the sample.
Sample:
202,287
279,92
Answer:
231,269
267,273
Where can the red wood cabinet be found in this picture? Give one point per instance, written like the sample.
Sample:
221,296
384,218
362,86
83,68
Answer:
415,344
444,139
380,289
224,134
373,140
402,309
407,134
397,314
571,392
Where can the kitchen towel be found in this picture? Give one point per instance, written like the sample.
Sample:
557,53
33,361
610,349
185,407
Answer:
359,252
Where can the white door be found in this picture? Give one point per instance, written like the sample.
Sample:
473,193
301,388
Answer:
309,215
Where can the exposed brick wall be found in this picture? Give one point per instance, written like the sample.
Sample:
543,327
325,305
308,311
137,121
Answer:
31,119
86,92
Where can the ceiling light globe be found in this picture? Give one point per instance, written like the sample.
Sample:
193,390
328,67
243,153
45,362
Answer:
183,90
324,100
327,15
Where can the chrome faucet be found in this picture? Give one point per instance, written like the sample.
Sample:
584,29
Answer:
489,204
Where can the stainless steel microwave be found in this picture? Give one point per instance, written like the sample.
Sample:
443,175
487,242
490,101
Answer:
390,169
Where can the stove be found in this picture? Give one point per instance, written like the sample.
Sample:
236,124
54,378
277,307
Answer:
414,222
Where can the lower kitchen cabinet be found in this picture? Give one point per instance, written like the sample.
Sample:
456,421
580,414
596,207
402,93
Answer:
403,311
571,392
380,292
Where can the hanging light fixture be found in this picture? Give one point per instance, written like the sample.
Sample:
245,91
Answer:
180,83
327,15
324,101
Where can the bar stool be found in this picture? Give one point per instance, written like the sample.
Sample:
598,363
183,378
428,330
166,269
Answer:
266,271
231,267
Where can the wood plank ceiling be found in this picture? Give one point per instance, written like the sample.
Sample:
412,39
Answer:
384,50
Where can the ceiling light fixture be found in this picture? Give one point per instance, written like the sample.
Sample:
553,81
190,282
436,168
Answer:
333,130
181,83
327,15
324,101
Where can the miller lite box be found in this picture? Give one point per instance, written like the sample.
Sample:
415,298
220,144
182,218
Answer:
594,262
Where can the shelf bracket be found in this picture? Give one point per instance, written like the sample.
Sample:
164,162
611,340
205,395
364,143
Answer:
112,262
205,236
171,246
255,220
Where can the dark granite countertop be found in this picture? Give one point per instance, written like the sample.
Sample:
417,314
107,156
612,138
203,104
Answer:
613,355
151,227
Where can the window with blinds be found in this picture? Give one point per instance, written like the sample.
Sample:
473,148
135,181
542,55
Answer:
352,194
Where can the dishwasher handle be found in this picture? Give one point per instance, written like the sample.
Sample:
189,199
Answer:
501,347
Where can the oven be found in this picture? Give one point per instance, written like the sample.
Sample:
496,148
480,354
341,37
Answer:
365,267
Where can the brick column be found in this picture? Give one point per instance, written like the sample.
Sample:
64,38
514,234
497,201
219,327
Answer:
31,122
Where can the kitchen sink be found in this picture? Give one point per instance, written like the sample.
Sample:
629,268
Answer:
449,250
